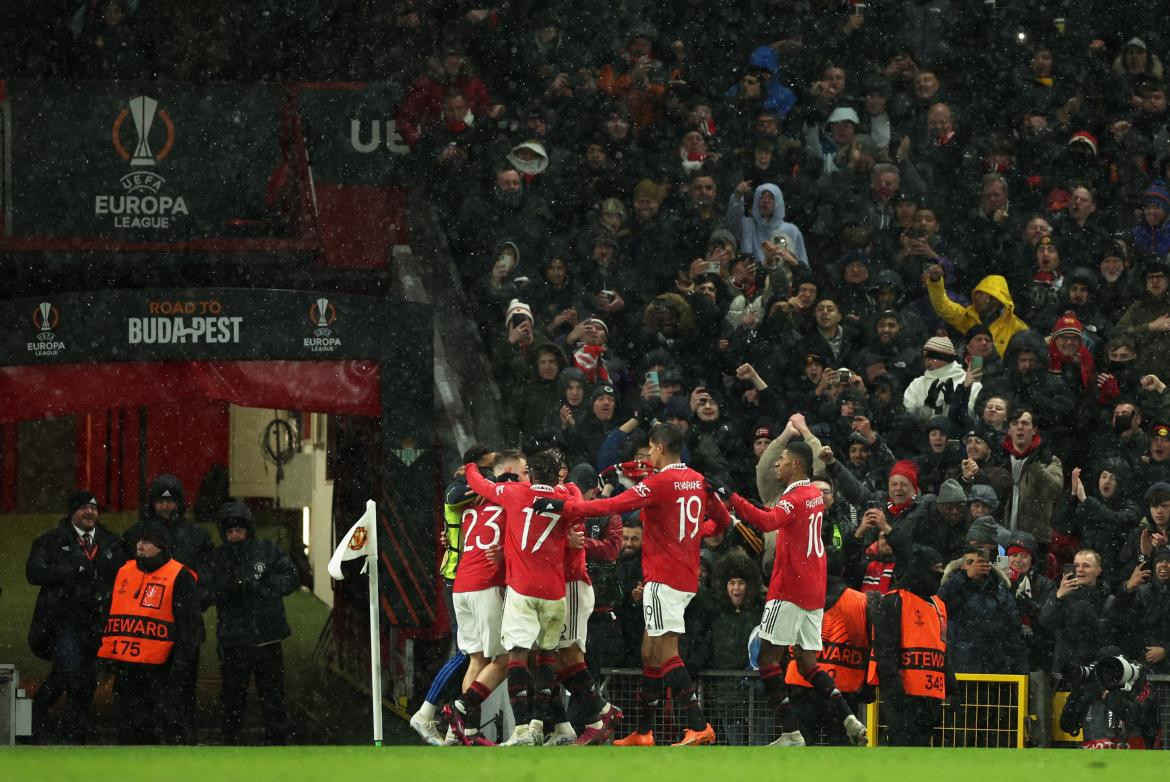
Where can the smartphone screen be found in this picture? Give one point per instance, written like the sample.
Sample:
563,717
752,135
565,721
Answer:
652,378
976,363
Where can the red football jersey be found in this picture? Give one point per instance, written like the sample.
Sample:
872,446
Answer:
482,526
534,542
575,569
674,503
798,572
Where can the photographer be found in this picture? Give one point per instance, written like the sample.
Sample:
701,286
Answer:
1112,702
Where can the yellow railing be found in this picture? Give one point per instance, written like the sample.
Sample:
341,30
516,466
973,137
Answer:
993,713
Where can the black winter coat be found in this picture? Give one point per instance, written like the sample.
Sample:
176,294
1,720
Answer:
247,582
1081,621
75,591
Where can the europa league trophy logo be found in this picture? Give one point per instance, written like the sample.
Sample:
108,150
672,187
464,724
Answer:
46,315
142,111
323,313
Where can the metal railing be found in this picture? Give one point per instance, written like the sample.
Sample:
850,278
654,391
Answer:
994,711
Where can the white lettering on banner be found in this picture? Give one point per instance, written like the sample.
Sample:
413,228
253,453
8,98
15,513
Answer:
50,348
394,141
170,331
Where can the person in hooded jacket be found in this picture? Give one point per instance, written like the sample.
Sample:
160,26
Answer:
1079,296
166,502
1027,382
1102,519
888,291
248,581
766,222
152,669
991,305
74,565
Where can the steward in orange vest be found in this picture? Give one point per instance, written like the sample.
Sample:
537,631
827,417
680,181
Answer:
152,634
911,664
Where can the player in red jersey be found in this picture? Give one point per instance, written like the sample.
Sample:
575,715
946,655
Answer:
674,504
579,602
479,602
796,593
534,602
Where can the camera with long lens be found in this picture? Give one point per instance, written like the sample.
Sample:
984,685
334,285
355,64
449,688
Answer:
1112,673
1117,673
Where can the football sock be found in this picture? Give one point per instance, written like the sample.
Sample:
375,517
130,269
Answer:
777,693
519,691
824,684
473,699
544,682
683,692
649,696
579,682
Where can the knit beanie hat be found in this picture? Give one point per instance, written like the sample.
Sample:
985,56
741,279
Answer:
1157,194
1068,325
1022,541
983,530
907,470
939,347
79,498
157,533
951,491
981,492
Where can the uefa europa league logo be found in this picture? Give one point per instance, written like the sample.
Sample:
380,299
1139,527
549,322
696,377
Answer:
142,111
45,318
323,313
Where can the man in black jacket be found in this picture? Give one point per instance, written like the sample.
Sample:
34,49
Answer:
247,581
74,565
1079,612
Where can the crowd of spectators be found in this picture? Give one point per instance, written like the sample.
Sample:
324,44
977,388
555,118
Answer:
928,239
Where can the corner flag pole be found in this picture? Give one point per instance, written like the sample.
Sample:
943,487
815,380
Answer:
375,628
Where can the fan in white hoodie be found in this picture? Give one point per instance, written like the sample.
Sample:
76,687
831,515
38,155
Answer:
930,394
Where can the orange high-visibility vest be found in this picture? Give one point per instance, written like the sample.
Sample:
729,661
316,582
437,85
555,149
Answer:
141,624
844,645
923,654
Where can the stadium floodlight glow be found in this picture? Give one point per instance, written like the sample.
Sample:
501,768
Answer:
305,528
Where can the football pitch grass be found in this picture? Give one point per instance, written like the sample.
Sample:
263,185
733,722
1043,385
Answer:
657,764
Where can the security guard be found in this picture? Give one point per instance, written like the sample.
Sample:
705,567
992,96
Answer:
910,650
844,655
152,634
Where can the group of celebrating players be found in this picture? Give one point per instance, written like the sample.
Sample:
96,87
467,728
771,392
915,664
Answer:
523,616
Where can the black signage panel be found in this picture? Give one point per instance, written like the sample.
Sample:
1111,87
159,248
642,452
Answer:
351,136
140,161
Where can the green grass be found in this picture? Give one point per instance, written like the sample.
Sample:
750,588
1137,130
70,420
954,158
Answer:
710,764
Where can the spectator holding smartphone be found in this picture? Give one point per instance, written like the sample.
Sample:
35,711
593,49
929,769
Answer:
1079,613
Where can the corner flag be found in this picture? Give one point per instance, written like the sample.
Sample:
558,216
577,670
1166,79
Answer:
356,543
